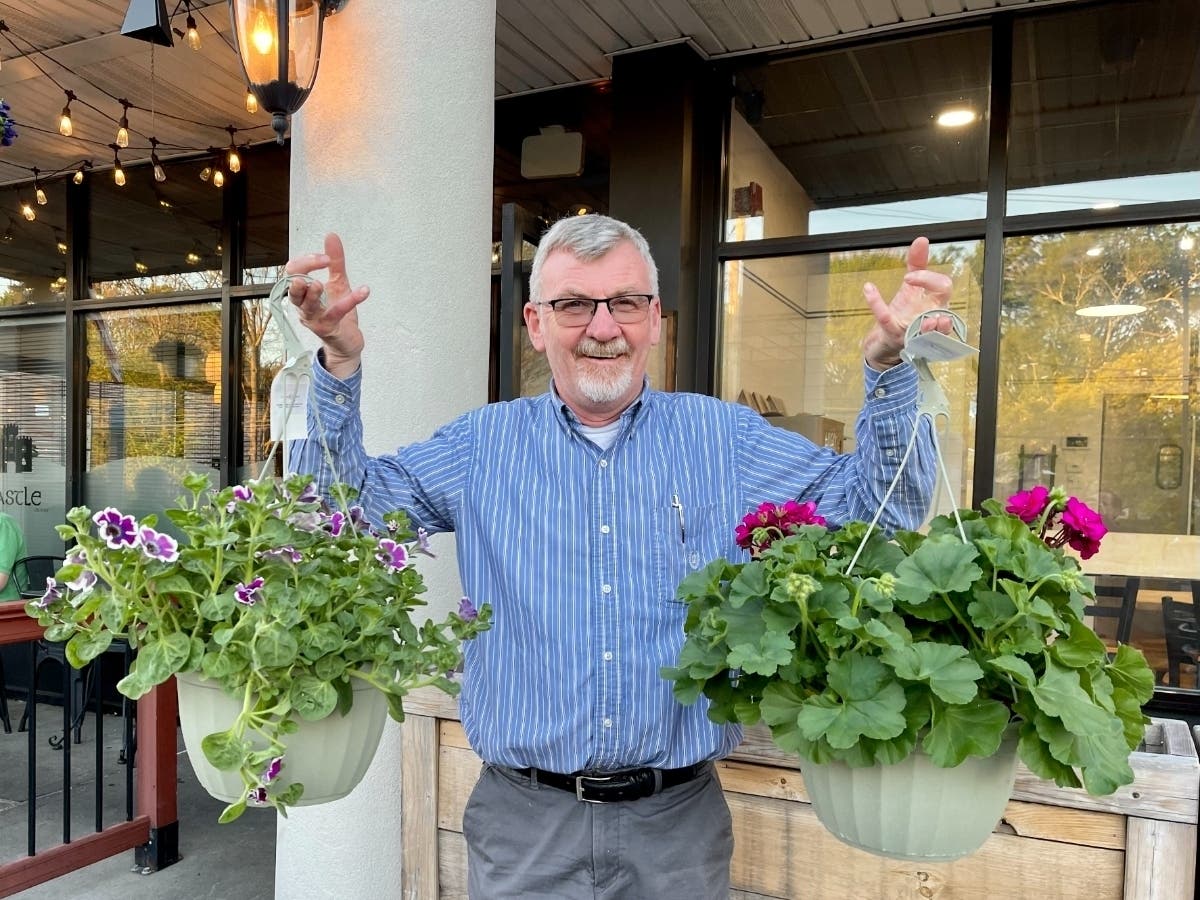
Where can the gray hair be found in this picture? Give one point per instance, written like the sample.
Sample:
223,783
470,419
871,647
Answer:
588,238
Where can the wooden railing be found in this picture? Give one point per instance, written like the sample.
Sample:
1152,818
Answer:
151,826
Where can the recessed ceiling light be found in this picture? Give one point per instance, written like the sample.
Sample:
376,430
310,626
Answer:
1094,251
1110,309
956,118
1106,204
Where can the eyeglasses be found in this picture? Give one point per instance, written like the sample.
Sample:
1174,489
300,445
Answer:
627,309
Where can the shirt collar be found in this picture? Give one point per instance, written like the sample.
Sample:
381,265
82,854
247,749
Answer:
568,420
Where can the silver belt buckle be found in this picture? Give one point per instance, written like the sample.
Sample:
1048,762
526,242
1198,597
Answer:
579,779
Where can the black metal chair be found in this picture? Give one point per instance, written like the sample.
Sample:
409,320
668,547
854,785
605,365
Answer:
30,573
1125,589
1181,631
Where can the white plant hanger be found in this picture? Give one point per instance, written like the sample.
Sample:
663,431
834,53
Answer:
921,349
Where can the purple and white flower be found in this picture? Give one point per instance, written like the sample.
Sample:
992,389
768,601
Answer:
242,493
423,543
271,772
335,523
257,796
250,593
392,554
287,553
117,530
466,610
157,545
82,583
52,594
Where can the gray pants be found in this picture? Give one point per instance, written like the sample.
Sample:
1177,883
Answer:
534,842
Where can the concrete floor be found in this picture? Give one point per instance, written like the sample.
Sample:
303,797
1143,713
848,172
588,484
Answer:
220,862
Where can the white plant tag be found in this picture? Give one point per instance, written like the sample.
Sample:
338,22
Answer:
289,405
936,347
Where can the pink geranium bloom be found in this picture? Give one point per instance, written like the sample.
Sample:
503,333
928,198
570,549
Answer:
1028,505
1080,517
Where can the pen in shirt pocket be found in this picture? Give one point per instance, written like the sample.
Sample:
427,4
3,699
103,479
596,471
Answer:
682,525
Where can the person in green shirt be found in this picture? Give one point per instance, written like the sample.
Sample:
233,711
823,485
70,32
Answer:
12,548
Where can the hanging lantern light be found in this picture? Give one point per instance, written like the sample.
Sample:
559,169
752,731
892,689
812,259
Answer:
279,42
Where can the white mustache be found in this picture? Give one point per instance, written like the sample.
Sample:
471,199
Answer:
606,349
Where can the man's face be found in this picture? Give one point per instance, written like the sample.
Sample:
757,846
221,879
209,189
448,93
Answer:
597,367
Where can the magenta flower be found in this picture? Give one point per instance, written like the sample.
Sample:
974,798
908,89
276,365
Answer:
466,610
157,545
1083,527
241,494
771,521
117,530
271,772
392,554
1028,505
257,796
358,517
249,594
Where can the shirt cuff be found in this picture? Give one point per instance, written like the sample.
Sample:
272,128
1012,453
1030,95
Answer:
892,391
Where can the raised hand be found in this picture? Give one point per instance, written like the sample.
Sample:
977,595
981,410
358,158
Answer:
329,309
920,290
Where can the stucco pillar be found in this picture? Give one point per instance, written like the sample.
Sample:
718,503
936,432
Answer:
393,150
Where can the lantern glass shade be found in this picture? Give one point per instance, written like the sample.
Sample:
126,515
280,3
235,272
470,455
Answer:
279,42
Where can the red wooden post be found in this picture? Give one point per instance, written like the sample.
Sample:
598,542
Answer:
157,775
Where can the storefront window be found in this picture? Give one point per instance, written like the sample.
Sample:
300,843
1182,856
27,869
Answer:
153,410
267,170
33,251
151,237
880,136
33,427
263,355
792,329
1099,396
1104,108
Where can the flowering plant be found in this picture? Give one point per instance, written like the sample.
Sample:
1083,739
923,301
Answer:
8,128
280,600
853,647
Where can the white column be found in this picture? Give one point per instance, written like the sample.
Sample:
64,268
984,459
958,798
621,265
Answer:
393,150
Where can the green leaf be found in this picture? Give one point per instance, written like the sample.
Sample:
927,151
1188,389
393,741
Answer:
218,608
772,651
1035,753
989,609
312,698
959,731
1129,672
750,584
1133,720
1018,668
948,670
869,702
86,646
1101,755
1059,694
1079,649
231,812
273,646
224,749
134,685
941,565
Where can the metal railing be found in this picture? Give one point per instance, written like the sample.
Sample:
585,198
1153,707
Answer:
149,820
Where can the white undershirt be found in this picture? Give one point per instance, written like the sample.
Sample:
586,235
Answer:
603,436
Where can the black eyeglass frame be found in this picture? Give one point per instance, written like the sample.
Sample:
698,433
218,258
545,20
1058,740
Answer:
621,318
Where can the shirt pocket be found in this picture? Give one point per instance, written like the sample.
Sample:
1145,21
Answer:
693,535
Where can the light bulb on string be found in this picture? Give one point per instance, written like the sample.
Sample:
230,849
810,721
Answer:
206,173
192,36
123,128
65,128
27,211
118,172
78,176
251,102
218,178
38,194
233,160
160,174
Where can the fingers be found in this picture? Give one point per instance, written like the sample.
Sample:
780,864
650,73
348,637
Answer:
878,306
936,284
918,254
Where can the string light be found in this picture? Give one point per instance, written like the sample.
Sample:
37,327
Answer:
193,36
27,210
60,243
118,172
251,102
193,257
38,194
218,178
78,176
234,161
160,174
206,173
65,128
123,128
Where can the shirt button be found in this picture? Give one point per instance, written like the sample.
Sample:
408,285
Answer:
604,463
608,656
880,392
607,588
339,398
890,454
604,529
608,723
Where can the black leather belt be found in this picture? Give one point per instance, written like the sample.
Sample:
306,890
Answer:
613,787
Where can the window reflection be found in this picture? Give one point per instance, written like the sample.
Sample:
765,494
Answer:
792,330
153,406
1105,407
263,355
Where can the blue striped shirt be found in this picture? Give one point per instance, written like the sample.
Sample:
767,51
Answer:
579,550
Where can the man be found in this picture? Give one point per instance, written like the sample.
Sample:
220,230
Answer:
576,513
12,548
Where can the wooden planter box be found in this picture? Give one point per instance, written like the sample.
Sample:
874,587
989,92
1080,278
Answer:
1139,843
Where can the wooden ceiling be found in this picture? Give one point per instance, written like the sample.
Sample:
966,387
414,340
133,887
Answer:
187,100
